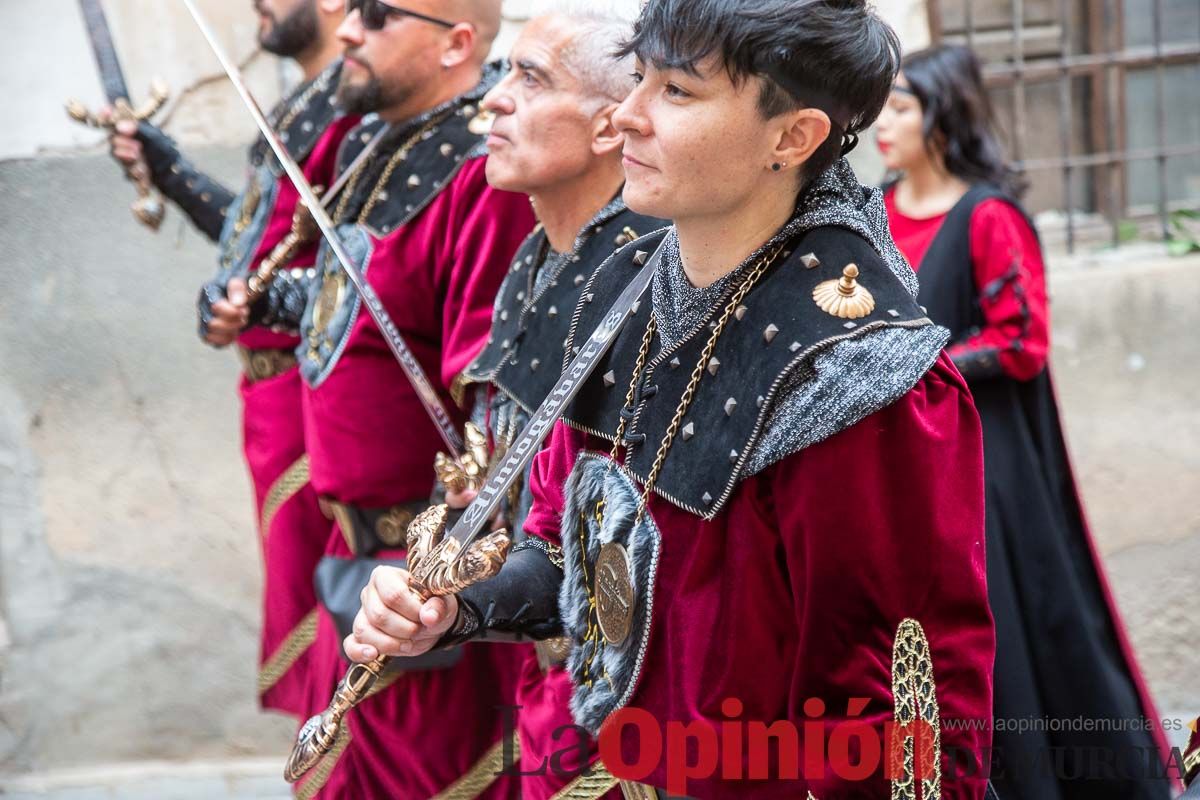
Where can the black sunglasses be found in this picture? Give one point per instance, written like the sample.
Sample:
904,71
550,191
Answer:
376,12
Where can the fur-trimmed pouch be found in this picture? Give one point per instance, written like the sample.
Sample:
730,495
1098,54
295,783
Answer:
610,567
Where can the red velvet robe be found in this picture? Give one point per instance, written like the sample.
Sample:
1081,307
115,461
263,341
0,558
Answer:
796,589
371,443
292,532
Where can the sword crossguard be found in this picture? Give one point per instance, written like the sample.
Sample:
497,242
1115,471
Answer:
149,208
438,566
469,470
304,230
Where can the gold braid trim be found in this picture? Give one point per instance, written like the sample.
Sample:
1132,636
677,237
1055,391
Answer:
480,776
283,489
324,768
590,786
288,653
914,698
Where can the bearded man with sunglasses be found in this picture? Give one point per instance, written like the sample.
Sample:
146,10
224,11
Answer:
434,241
246,227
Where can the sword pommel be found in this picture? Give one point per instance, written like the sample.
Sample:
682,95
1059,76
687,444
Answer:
149,209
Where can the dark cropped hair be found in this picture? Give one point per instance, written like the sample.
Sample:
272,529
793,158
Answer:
958,120
835,55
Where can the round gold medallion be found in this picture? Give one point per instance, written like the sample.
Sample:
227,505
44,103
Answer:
614,593
332,292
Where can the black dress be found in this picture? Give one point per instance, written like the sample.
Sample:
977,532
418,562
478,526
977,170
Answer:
1062,659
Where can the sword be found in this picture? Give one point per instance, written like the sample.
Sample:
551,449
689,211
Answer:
148,208
443,564
391,334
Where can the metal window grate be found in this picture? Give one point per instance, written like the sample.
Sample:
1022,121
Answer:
1086,63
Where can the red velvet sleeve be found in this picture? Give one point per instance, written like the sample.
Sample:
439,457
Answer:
1011,278
881,523
546,479
487,228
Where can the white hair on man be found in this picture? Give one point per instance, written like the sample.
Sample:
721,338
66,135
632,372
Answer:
600,26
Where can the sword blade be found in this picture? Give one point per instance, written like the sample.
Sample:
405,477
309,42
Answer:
111,76
529,441
391,334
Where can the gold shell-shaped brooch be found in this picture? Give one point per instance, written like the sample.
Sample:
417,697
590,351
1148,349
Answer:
844,297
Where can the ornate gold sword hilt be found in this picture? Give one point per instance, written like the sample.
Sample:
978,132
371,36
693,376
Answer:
304,230
437,567
149,208
469,470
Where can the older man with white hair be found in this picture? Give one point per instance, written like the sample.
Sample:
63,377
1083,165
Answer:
553,140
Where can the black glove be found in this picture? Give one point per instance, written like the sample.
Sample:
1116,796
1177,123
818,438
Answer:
197,195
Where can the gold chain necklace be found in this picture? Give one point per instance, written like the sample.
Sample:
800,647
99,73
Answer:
400,155
693,382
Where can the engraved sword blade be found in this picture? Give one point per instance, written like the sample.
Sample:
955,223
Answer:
391,334
320,733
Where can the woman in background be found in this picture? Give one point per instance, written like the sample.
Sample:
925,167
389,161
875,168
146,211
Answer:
1061,652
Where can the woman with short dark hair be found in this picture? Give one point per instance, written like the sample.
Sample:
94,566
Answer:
1061,654
767,500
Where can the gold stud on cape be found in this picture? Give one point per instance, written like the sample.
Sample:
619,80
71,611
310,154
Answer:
810,261
739,312
844,297
481,123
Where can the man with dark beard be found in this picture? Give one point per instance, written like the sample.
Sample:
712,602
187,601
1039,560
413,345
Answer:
247,227
434,241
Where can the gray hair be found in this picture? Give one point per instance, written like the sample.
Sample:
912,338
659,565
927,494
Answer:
601,26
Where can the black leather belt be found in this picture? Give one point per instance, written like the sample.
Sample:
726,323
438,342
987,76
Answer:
368,530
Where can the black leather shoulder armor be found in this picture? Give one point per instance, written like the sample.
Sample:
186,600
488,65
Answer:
776,331
524,352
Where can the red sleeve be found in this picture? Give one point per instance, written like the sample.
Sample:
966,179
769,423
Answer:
881,523
488,226
1011,277
546,480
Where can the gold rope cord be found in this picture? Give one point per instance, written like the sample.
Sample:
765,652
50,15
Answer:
288,652
480,776
283,489
588,787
